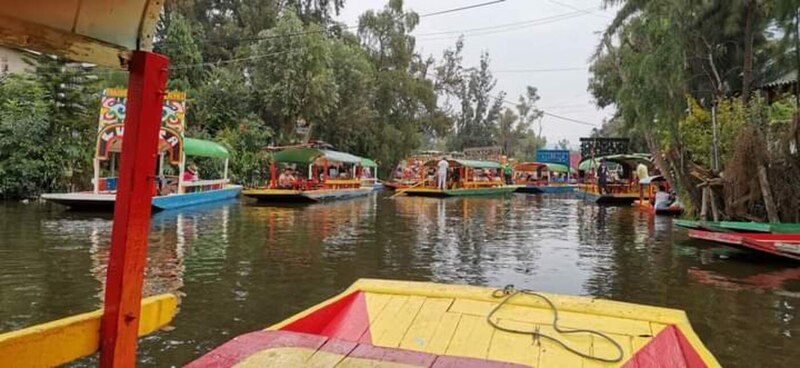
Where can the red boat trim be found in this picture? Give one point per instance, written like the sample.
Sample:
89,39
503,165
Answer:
669,348
242,347
345,319
760,242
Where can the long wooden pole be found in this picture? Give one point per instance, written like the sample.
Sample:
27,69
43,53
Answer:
120,323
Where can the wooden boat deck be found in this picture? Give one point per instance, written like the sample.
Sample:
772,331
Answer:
433,192
379,323
307,196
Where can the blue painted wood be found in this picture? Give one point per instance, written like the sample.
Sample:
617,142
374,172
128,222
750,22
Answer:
174,201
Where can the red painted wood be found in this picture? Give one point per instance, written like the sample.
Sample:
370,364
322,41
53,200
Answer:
243,346
345,319
754,241
120,323
668,349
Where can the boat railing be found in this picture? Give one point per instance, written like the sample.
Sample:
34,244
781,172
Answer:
483,184
611,188
203,185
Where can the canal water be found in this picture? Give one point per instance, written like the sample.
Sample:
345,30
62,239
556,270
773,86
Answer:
239,267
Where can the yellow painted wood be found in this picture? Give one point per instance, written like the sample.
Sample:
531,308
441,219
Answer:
389,328
323,359
420,333
443,334
603,348
350,362
553,355
67,339
472,338
277,357
463,331
514,348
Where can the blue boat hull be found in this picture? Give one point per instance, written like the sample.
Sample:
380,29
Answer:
193,199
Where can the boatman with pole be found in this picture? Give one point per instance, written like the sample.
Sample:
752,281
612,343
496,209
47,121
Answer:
442,167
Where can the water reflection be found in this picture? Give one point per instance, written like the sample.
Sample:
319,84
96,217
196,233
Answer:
240,267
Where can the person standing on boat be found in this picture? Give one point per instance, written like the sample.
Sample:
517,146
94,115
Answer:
442,167
663,199
602,177
507,173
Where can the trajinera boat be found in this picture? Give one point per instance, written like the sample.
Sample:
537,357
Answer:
781,239
311,173
172,188
648,188
384,323
406,173
622,186
538,177
464,178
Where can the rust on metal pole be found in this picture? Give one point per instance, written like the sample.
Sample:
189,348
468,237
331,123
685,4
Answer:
131,227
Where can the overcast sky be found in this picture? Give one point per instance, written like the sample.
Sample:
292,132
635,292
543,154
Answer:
558,34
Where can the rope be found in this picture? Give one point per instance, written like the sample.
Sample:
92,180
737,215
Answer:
509,292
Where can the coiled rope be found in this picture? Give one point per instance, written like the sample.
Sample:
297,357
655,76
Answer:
509,293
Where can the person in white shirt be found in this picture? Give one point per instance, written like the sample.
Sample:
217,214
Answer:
442,167
663,199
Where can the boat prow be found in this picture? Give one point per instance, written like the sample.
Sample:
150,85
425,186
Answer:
88,201
383,323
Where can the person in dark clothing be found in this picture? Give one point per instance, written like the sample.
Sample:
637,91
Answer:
602,177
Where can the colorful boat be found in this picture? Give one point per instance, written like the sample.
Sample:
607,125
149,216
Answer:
318,174
369,174
621,191
406,173
383,323
782,245
648,187
465,178
170,189
740,226
537,177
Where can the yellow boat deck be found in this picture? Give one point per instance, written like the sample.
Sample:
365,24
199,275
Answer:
401,324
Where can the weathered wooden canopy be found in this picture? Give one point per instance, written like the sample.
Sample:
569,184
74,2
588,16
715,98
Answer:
102,32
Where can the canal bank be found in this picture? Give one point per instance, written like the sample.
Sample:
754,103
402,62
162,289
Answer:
239,267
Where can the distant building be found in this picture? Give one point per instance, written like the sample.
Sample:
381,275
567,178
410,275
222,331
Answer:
11,61
786,83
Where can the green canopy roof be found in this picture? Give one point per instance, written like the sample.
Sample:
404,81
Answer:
559,168
368,163
308,155
475,164
202,148
629,160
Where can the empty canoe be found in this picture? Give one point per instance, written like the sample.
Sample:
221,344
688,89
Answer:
783,245
382,323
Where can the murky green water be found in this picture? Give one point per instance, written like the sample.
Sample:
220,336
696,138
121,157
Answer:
240,267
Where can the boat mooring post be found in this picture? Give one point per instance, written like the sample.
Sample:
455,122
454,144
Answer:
131,227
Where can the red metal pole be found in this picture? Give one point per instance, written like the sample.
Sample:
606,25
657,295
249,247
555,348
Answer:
273,175
120,323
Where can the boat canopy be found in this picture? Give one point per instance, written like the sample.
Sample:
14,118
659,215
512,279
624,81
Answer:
534,166
473,164
203,148
650,179
629,160
307,156
365,162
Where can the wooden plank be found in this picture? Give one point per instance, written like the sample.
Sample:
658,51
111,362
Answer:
512,347
602,348
65,340
554,355
544,316
419,335
394,322
278,357
132,209
472,338
444,334
375,304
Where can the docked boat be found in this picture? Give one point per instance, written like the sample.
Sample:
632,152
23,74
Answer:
537,177
465,178
311,173
407,172
621,188
740,226
648,188
172,188
782,245
369,174
383,323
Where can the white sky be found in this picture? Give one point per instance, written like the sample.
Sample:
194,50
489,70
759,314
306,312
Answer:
566,41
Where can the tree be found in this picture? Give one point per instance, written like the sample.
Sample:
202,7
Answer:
563,144
479,110
184,54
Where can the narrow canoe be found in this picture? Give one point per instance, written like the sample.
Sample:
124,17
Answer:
383,323
783,245
305,196
669,211
610,199
431,192
741,226
88,201
546,189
